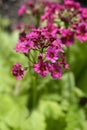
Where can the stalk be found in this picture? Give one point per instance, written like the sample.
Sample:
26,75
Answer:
69,80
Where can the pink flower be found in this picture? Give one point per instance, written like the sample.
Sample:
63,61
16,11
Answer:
49,35
49,11
22,10
19,47
41,67
27,45
52,54
84,13
55,70
63,62
30,3
70,4
66,66
18,71
45,16
67,37
58,45
32,36
24,46
81,32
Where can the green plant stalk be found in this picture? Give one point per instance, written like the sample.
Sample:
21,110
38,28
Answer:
69,80
34,88
33,76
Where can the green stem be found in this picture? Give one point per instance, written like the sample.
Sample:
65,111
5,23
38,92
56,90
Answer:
34,91
69,79
37,20
32,98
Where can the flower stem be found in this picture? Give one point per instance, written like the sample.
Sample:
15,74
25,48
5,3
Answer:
34,91
69,79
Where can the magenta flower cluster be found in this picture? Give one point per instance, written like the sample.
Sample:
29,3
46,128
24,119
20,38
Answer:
50,51
18,71
44,46
72,20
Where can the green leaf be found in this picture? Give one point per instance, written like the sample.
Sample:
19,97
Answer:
3,126
82,80
6,104
50,109
16,117
36,121
75,119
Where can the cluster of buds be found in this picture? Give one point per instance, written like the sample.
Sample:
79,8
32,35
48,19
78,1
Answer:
44,46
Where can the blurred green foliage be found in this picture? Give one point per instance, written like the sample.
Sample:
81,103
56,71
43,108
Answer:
4,22
58,100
